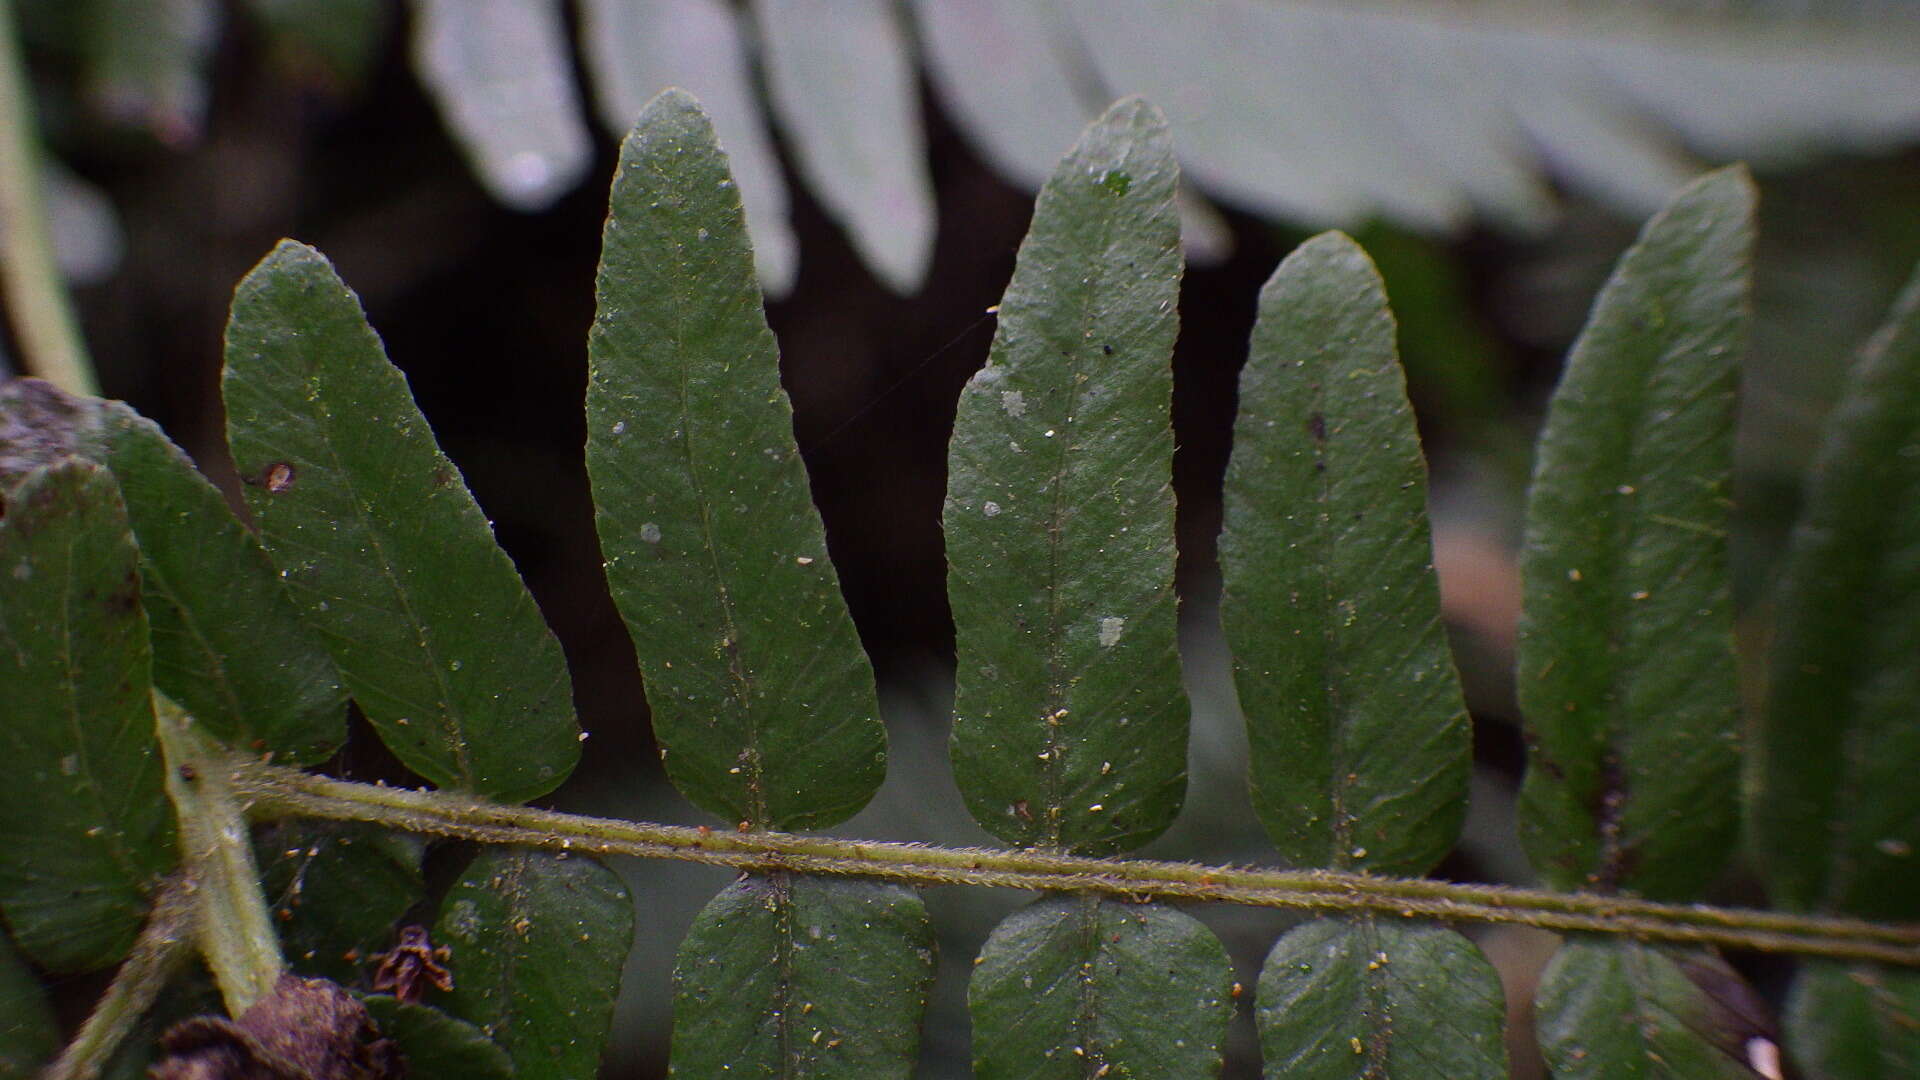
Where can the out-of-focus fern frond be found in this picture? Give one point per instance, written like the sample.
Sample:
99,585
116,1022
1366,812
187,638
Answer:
1429,114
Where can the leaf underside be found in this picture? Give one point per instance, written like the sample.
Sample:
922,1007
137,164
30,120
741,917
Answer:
227,642
793,976
637,50
382,547
762,698
839,74
1360,746
538,942
1626,665
501,72
1380,998
85,830
1833,811
1076,987
1069,716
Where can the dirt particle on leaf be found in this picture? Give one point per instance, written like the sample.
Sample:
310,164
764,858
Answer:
277,478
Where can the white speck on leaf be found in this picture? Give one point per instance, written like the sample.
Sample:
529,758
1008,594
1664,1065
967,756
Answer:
650,533
992,509
1111,628
1014,402
463,920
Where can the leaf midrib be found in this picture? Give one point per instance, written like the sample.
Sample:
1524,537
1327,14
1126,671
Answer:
1052,768
1618,736
1332,657
444,712
739,675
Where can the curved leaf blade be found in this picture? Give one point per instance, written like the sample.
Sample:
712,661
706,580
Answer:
793,976
762,698
638,50
1372,997
1076,987
1620,1009
227,642
841,79
538,942
84,826
1855,1022
1069,716
1360,746
1832,810
383,549
437,1046
29,1032
501,73
1626,667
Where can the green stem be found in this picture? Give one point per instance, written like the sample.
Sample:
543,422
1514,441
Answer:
235,932
160,951
276,790
30,283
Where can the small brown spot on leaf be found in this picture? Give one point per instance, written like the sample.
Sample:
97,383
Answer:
125,600
278,477
442,476
1317,427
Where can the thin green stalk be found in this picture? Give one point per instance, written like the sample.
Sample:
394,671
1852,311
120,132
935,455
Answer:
30,282
235,932
161,950
276,790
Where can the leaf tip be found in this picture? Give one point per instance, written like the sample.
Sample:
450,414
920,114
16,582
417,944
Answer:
1335,250
1129,150
289,258
1133,119
671,105
290,252
1324,258
1731,186
1134,111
